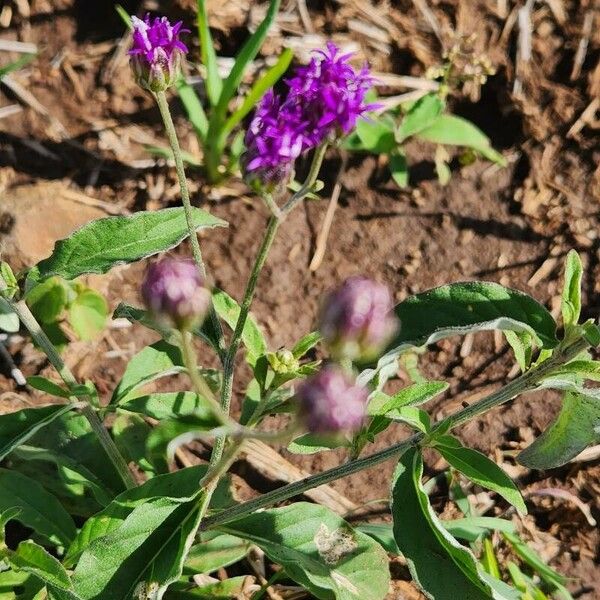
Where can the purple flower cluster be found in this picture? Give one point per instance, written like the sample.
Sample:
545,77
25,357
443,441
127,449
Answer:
156,52
325,98
357,319
331,402
174,292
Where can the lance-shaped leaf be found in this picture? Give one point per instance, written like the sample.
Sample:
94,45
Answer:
215,551
38,508
460,308
319,550
158,360
145,553
168,405
442,567
102,244
576,427
571,295
17,427
480,469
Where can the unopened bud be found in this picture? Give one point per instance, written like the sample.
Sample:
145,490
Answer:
332,402
175,293
357,319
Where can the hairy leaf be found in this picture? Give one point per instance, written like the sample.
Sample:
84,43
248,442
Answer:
9,321
168,405
38,509
88,314
102,244
576,427
319,550
460,308
214,552
480,469
17,427
441,566
571,295
422,114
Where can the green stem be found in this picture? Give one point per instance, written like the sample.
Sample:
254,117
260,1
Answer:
526,382
229,363
310,181
43,342
163,106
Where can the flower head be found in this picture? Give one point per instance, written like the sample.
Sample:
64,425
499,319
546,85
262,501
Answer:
333,91
174,292
324,100
357,319
156,52
331,402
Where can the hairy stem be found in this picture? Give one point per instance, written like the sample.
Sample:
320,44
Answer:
229,363
163,105
526,382
41,339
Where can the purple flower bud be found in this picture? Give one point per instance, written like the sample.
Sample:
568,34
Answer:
156,52
324,100
174,292
331,402
357,319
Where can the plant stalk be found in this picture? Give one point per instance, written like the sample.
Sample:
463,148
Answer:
229,362
163,106
41,339
526,382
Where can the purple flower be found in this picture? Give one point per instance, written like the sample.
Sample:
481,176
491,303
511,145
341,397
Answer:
331,402
156,52
357,319
174,292
324,100
333,92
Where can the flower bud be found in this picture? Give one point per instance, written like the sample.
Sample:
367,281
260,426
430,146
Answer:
357,319
331,402
175,293
156,52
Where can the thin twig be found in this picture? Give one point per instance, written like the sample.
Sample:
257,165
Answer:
323,236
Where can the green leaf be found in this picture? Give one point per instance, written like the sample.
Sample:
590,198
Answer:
38,509
43,384
480,469
308,342
143,317
233,587
193,108
423,113
571,295
214,552
33,559
47,300
73,474
413,395
9,321
318,550
266,82
456,131
252,337
472,528
460,308
522,346
167,153
125,17
310,443
102,244
144,553
88,314
382,533
153,362
584,369
167,405
576,427
16,65
214,84
399,167
131,433
169,435
443,568
376,133
246,55
529,556
17,427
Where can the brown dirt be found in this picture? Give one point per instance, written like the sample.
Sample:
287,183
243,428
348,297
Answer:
508,225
